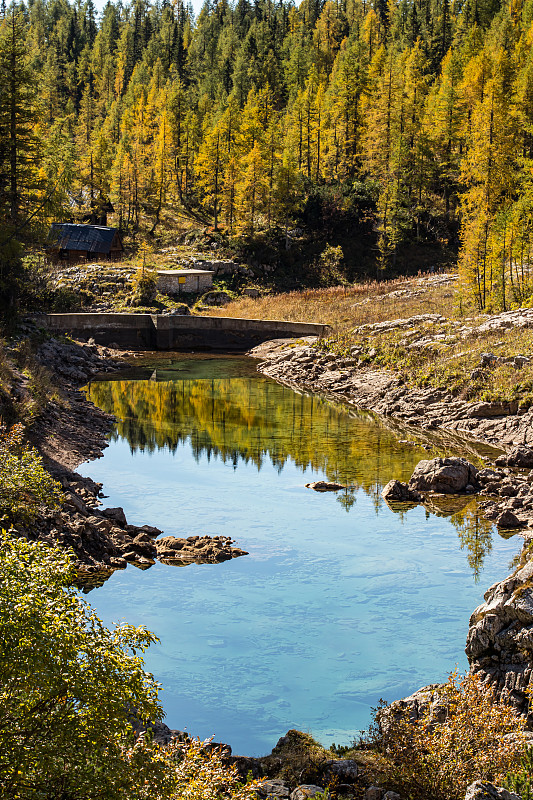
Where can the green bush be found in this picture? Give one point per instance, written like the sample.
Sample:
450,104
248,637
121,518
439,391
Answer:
69,688
521,780
144,284
24,483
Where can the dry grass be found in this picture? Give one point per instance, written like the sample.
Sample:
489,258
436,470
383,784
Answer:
451,363
445,356
344,308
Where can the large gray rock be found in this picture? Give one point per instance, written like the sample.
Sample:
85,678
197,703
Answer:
344,770
216,298
481,790
272,789
444,475
425,701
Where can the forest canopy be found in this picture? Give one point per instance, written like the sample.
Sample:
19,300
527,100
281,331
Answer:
412,117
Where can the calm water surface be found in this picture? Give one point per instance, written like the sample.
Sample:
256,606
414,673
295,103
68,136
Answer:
340,602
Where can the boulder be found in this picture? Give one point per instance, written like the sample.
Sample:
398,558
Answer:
181,310
443,475
481,790
521,457
398,492
216,298
508,520
272,789
344,770
116,514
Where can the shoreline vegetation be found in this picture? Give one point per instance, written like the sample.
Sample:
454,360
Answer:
62,424
297,151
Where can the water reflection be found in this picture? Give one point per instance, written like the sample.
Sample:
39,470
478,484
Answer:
221,409
331,610
251,420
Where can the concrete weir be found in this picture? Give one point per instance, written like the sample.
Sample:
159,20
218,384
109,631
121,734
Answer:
169,332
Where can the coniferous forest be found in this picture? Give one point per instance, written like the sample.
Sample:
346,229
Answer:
410,122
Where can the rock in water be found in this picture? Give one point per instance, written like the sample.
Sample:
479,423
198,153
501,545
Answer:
508,520
518,457
444,475
325,486
398,492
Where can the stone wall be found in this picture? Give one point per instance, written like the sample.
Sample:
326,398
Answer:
169,332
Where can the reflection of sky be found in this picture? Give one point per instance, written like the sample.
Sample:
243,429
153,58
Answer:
328,613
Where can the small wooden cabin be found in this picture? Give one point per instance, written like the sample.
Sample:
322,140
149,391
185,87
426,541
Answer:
71,242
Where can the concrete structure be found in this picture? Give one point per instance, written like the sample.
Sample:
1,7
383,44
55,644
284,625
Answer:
162,332
178,281
72,242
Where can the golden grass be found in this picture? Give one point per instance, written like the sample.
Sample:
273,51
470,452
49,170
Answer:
344,308
451,364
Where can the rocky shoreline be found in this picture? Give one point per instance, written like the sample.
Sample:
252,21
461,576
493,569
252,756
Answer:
500,639
500,635
72,430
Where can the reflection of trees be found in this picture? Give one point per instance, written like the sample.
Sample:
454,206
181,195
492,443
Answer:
475,534
251,419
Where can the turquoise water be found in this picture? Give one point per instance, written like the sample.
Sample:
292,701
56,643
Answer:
340,601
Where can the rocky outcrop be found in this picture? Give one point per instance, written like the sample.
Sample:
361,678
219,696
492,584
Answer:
353,378
444,475
426,701
481,790
196,549
520,457
500,639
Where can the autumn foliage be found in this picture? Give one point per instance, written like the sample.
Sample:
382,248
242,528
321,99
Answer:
480,738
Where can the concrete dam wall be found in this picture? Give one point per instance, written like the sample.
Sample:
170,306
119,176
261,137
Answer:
169,332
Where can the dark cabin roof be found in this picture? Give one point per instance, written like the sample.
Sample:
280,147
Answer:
94,238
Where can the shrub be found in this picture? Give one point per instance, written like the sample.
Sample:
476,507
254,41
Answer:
144,284
68,690
67,686
328,269
24,483
440,759
521,780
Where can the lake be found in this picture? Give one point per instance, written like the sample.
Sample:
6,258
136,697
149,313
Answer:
339,603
